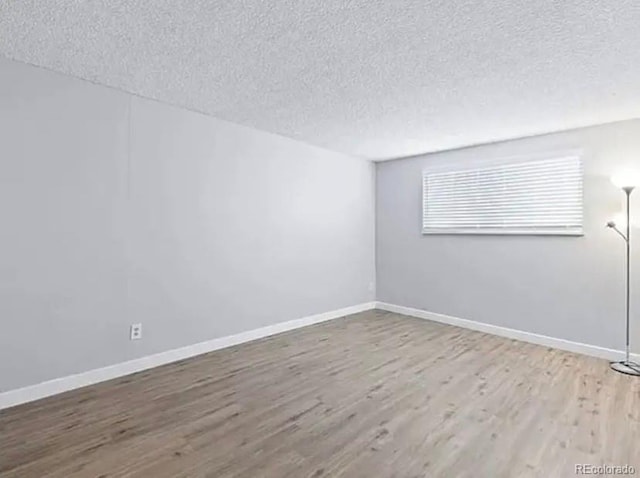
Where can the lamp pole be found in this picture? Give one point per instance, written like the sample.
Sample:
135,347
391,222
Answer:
628,191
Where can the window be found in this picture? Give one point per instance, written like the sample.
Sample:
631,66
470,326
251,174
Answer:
516,197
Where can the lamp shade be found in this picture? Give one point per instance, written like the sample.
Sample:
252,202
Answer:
626,179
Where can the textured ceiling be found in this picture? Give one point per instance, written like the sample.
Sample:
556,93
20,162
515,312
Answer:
373,78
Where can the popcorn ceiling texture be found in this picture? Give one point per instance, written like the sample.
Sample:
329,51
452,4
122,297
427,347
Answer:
373,78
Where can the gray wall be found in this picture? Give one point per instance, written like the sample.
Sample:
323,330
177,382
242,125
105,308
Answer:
564,287
117,210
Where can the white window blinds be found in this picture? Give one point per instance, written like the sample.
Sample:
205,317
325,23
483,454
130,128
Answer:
532,197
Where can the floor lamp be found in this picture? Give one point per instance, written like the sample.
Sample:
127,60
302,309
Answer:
627,185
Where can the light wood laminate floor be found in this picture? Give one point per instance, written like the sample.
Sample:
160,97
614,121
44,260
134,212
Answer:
372,395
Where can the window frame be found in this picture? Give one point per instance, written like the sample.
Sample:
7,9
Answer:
461,166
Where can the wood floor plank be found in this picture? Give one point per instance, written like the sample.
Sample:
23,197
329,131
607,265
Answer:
374,394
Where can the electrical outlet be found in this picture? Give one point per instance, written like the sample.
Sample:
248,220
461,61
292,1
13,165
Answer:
135,332
371,286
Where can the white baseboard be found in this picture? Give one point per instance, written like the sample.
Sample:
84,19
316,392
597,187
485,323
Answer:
562,344
71,382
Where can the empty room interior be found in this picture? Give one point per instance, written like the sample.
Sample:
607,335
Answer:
319,239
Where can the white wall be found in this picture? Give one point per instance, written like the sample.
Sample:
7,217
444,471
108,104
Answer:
118,210
565,287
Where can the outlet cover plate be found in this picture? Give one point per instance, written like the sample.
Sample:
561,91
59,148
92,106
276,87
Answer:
135,332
